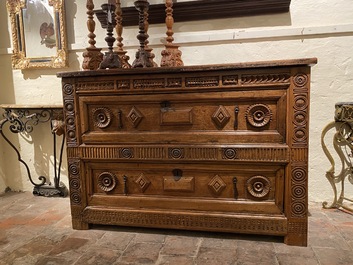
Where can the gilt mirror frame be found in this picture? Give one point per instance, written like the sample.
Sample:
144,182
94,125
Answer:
54,42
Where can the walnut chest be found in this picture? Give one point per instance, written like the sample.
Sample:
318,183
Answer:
215,147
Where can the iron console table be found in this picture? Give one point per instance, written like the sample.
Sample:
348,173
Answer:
23,118
343,144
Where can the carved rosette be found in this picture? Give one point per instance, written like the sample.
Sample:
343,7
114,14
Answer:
127,153
107,181
258,115
102,117
229,153
176,153
258,186
300,80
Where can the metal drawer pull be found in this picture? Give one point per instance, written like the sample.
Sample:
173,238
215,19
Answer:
120,119
125,185
236,112
235,188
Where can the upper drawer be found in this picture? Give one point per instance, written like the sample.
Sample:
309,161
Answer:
221,117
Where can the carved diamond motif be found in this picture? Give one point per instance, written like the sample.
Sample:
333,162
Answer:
142,182
221,117
135,116
217,185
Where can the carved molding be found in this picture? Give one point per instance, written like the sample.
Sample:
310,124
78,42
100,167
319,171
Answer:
283,78
177,220
261,154
148,83
88,86
202,81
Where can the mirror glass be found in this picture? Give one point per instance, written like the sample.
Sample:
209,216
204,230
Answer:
38,33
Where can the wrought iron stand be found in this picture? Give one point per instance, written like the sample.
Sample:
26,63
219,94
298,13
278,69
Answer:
23,119
343,145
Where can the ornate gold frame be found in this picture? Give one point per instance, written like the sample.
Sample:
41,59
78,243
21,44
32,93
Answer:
19,57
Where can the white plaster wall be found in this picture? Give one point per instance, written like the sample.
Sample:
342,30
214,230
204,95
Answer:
312,28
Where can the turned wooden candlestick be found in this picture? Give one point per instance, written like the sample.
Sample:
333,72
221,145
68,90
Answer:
119,31
92,57
171,55
143,56
111,59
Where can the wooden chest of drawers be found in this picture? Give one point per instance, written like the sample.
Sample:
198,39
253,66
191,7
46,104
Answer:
216,148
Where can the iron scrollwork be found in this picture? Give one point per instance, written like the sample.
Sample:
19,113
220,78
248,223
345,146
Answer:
343,145
23,120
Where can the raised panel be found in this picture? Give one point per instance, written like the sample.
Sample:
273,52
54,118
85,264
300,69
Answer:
215,118
204,182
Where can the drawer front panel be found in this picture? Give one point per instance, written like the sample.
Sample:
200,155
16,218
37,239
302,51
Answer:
228,188
213,117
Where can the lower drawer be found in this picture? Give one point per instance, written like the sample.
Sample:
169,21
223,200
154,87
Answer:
201,187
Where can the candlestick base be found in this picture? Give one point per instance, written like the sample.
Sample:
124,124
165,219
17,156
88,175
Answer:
171,56
143,59
92,58
111,61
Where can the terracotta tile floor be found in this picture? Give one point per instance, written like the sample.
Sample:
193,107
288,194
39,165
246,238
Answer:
37,230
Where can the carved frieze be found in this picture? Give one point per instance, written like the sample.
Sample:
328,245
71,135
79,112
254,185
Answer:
261,154
123,84
229,80
202,81
283,78
148,83
88,86
174,82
